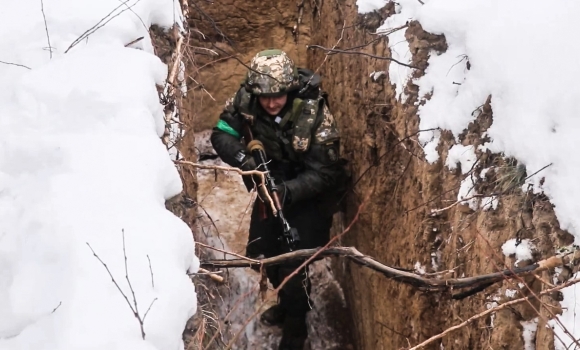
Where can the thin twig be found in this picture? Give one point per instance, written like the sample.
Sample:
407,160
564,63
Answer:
100,24
497,194
151,271
491,310
114,281
229,253
15,64
134,41
149,308
129,281
437,211
56,308
46,27
362,54
327,54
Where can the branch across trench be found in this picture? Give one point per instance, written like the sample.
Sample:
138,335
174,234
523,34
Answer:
400,275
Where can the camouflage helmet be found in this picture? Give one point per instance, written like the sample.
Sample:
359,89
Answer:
272,73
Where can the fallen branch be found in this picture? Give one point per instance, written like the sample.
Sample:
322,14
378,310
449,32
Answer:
398,274
493,309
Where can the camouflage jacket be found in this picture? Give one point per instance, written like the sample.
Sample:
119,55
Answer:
309,166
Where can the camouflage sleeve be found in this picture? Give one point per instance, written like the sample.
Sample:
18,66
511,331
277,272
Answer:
327,131
225,137
323,168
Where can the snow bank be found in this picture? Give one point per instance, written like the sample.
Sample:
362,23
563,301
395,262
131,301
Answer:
81,161
519,53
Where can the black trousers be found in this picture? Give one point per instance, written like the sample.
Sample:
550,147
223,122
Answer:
313,226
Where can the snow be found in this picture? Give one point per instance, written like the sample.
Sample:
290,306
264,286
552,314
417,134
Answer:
420,269
459,154
569,317
534,93
365,6
521,250
529,333
510,293
81,162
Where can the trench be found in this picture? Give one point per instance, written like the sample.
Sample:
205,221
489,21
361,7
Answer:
355,308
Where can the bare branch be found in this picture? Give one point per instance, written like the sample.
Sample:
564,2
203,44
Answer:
56,308
46,27
491,310
134,41
15,64
113,279
151,270
101,23
129,281
254,261
133,307
362,54
148,309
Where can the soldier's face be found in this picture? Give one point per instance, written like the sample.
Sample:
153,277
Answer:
273,105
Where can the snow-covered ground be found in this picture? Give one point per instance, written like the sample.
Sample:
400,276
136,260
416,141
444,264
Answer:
81,162
520,53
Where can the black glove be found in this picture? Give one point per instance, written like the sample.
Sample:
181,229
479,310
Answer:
248,164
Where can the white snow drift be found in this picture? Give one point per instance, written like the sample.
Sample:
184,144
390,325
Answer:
81,162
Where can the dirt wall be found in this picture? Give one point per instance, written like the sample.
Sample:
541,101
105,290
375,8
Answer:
396,226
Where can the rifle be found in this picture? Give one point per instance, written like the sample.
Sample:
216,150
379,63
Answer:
256,149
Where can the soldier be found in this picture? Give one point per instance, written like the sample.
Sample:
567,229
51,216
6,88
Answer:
288,113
